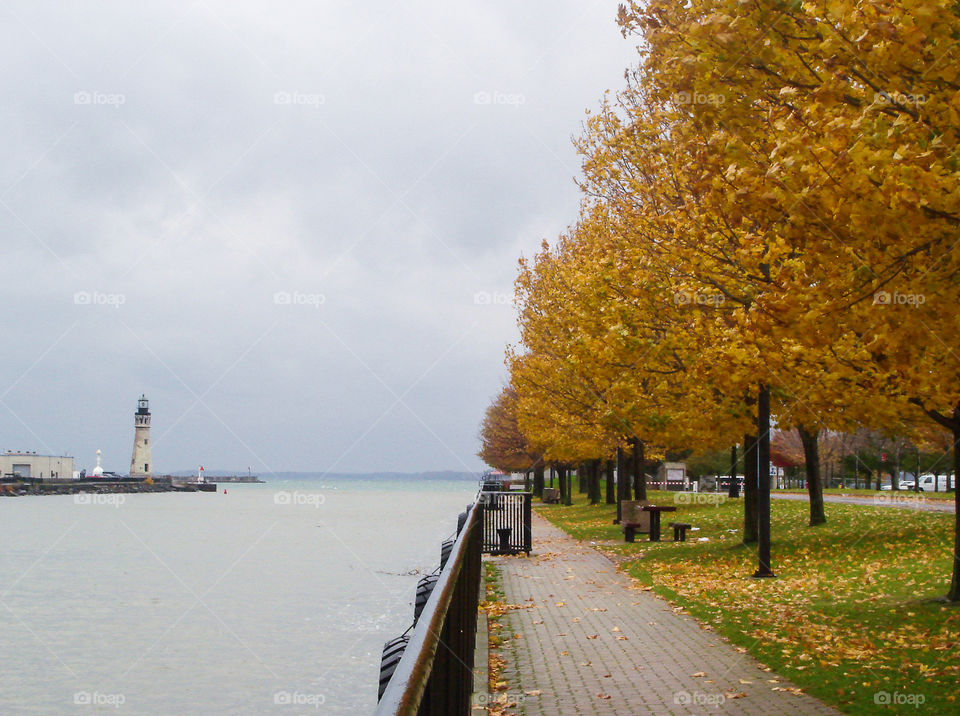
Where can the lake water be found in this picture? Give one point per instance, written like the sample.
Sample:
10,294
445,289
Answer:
202,603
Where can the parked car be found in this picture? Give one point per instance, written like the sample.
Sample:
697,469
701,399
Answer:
928,483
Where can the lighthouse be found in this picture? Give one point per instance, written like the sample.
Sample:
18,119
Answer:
140,462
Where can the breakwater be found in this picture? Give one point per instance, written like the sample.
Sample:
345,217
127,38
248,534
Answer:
24,487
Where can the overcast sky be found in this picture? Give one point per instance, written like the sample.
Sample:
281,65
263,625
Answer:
293,225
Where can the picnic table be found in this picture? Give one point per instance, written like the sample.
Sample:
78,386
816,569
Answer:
655,511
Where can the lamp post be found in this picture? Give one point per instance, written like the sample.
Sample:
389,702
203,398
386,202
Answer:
763,486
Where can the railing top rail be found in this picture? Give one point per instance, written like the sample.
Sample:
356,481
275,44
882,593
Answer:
404,692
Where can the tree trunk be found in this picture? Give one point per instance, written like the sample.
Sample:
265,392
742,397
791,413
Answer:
564,481
749,489
623,476
611,494
538,479
582,479
811,456
638,460
623,484
593,477
763,482
734,489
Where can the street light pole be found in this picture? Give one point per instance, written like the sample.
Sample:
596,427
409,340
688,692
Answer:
763,480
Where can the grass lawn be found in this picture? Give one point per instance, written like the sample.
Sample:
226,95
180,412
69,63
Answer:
852,613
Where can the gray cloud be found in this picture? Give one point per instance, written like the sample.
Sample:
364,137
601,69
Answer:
379,165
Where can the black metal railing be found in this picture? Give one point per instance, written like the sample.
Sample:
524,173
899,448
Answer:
434,677
506,522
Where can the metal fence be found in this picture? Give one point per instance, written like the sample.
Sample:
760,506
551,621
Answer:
506,522
434,677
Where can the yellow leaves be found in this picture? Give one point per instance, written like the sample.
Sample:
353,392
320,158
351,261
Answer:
784,181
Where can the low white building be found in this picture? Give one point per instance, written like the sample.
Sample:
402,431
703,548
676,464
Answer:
30,464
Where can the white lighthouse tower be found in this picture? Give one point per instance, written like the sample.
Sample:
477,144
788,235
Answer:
140,462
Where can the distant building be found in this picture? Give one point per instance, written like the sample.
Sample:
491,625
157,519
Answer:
29,464
140,462
673,475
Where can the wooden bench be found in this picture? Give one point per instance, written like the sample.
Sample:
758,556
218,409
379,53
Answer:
551,495
680,531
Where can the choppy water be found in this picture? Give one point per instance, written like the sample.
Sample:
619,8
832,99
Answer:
200,603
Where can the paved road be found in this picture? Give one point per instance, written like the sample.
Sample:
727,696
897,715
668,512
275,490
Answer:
891,499
591,642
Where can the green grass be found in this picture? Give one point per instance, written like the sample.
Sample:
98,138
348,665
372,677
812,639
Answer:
491,579
854,608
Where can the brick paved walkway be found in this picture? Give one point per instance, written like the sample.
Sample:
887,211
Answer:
594,644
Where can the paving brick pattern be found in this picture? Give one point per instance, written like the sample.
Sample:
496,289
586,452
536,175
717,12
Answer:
593,643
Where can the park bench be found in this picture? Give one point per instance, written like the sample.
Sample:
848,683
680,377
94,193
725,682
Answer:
680,531
551,495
